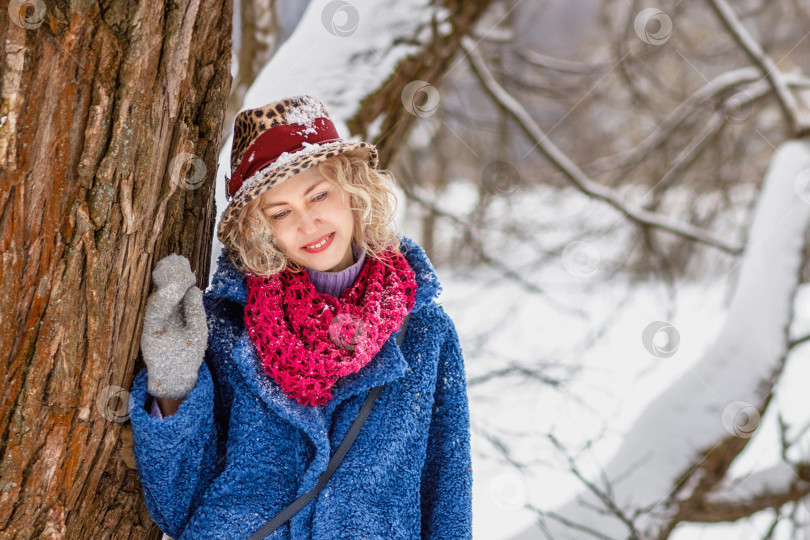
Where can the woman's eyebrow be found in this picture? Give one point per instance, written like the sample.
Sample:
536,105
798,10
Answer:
309,189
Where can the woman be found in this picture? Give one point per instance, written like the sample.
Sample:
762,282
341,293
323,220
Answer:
302,318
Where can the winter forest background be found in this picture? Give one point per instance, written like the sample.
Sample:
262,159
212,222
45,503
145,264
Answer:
590,180
615,197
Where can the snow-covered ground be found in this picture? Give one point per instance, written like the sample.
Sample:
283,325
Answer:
618,377
611,382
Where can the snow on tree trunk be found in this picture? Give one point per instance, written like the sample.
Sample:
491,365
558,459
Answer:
681,446
99,111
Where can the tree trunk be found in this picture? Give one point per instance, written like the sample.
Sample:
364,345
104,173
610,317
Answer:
110,125
430,64
260,36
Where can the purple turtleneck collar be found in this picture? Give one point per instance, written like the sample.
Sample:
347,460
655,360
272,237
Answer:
335,283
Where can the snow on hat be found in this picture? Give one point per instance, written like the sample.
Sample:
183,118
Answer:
276,141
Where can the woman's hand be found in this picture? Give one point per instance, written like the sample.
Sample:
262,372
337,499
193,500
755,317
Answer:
175,332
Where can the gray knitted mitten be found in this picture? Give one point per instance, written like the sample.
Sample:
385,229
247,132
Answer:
175,332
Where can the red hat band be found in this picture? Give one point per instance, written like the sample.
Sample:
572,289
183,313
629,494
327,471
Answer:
275,141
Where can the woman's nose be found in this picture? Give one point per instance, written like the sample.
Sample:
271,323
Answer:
309,222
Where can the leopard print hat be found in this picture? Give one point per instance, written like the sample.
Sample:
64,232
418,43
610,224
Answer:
276,141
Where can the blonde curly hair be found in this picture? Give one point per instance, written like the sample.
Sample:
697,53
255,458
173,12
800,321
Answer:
373,204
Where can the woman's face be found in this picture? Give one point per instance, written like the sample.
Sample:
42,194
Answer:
304,209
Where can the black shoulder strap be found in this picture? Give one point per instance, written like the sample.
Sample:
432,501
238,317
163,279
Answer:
334,461
402,329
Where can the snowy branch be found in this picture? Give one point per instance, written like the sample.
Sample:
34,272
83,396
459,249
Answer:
536,59
797,121
751,88
721,84
574,173
770,488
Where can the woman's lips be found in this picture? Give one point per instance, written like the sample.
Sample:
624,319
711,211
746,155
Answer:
329,238
318,240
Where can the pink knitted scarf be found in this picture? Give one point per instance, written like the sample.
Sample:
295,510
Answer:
307,340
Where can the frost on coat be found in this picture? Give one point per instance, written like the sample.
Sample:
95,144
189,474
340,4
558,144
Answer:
239,450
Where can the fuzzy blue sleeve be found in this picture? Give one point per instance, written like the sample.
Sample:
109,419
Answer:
446,486
178,456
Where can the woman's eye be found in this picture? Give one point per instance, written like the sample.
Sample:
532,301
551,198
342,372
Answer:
318,197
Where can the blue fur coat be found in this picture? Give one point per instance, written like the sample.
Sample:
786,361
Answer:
239,450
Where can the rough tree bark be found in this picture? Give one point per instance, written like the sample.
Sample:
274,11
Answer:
111,117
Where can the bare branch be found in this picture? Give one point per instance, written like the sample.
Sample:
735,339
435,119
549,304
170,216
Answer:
607,498
481,252
797,122
558,64
690,153
572,524
722,83
770,488
516,369
574,173
798,341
